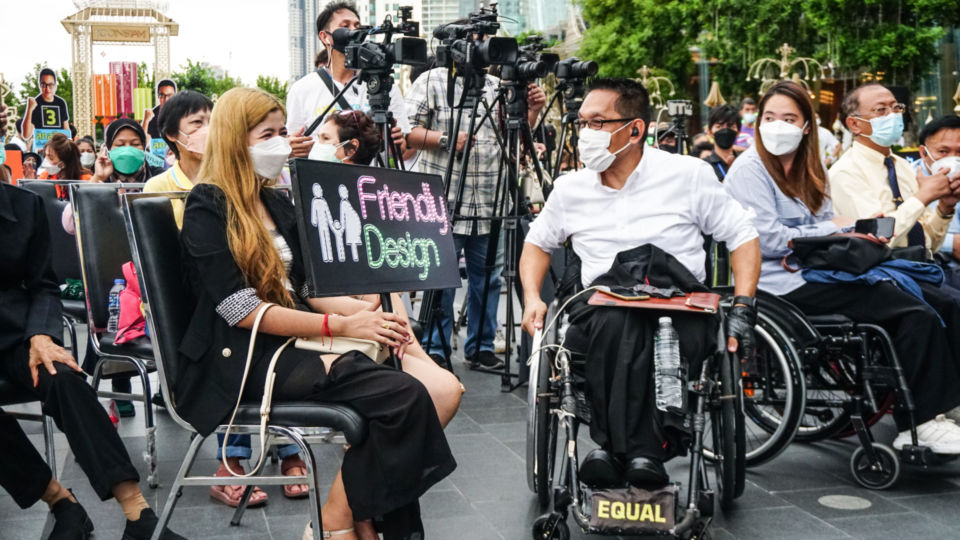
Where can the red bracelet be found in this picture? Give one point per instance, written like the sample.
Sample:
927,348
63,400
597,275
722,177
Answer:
326,327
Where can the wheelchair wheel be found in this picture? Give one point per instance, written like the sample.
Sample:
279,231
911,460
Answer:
773,394
550,527
727,431
880,473
541,425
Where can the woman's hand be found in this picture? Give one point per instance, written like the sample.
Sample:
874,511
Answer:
103,167
372,324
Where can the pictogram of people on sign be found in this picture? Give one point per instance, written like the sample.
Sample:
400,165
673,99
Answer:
346,230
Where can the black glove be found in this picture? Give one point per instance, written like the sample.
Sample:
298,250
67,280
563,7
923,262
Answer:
740,322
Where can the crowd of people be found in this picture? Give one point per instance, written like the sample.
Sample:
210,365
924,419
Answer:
757,178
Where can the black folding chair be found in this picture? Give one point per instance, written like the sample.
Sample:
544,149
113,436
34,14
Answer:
103,247
65,261
154,241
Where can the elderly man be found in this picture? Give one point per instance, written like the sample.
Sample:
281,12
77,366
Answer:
940,151
870,180
632,205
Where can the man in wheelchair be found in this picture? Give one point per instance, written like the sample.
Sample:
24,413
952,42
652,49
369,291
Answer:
635,216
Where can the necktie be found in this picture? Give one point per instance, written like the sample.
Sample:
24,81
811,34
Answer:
915,236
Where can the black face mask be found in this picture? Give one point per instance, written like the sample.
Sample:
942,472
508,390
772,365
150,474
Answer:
725,138
672,148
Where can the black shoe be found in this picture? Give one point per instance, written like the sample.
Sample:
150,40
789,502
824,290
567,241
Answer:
142,529
646,473
125,408
439,359
157,400
485,359
71,521
601,470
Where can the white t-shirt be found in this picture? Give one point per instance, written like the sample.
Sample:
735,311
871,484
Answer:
667,201
309,96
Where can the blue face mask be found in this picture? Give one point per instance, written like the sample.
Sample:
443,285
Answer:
887,129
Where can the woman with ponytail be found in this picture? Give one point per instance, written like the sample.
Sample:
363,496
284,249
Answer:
241,250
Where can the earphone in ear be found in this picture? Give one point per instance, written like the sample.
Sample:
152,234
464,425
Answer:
635,132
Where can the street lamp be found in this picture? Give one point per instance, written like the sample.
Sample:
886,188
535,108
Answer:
785,68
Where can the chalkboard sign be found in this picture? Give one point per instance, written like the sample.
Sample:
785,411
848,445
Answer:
369,230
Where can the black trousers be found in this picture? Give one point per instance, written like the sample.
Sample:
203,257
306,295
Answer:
23,472
619,371
72,403
928,351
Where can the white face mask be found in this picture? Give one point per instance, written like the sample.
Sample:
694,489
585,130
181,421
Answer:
49,167
325,152
781,138
749,118
593,146
87,159
951,163
270,156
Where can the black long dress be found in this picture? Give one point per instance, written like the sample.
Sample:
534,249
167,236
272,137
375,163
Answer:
405,452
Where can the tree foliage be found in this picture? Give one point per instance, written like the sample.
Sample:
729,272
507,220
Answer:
895,37
203,78
274,86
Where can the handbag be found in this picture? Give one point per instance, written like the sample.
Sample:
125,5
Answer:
330,345
849,252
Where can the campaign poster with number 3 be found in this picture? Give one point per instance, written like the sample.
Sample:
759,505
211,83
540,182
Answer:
370,230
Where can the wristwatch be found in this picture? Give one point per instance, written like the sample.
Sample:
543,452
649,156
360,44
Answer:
443,140
749,301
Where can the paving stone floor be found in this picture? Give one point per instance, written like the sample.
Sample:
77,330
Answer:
487,498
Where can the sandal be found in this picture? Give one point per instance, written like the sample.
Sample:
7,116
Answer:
219,493
308,532
294,491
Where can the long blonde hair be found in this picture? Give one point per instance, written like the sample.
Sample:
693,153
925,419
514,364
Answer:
228,165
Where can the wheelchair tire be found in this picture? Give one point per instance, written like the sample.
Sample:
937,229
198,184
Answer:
550,527
882,473
727,432
773,396
541,425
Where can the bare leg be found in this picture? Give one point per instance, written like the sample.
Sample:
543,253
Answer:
443,386
336,513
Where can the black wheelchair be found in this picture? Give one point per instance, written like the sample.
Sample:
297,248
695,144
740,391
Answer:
851,378
558,407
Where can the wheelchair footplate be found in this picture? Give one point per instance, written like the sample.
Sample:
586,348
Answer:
631,511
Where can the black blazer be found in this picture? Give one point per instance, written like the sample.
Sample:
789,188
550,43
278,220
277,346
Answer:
29,294
213,353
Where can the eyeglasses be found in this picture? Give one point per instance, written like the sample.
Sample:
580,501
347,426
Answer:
883,110
598,123
48,85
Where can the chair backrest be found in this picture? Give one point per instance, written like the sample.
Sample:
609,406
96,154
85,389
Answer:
66,261
168,304
102,243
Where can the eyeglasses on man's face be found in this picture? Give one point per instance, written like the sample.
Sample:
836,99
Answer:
883,110
598,123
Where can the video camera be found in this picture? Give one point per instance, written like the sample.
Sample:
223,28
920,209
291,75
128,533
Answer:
374,57
531,63
464,46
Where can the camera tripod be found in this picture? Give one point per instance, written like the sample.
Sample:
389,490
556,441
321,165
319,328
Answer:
515,145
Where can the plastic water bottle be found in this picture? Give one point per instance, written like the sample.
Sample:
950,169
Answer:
666,361
113,305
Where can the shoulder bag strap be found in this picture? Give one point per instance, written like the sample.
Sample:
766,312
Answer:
327,80
267,394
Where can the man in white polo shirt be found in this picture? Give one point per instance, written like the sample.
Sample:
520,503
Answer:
629,195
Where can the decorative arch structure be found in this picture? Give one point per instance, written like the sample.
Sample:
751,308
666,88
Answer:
114,22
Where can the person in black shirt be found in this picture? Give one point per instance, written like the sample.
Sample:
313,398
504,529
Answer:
166,89
723,124
47,110
32,357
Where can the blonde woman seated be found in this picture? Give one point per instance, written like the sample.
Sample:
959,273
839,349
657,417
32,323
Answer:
240,250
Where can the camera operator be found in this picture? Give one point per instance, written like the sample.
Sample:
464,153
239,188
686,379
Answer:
429,115
309,96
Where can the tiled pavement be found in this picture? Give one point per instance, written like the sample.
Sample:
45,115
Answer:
486,498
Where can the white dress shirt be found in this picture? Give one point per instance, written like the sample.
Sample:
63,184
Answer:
668,201
309,96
